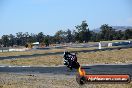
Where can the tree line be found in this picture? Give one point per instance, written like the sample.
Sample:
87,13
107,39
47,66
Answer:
80,34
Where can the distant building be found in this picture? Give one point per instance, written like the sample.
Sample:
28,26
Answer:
36,45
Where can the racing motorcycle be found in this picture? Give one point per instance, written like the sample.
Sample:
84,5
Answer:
70,60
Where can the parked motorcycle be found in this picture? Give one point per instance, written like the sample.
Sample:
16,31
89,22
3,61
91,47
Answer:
70,60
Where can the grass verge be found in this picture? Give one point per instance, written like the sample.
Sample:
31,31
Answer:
100,57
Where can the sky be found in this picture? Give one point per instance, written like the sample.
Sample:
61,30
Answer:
49,16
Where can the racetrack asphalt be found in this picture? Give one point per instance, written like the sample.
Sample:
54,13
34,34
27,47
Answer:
63,70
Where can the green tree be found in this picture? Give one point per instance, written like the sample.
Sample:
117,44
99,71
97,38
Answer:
25,38
107,32
60,36
5,40
95,37
32,38
19,39
118,35
11,40
40,37
69,36
47,40
128,34
83,32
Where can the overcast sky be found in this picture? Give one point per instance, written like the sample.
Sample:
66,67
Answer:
48,16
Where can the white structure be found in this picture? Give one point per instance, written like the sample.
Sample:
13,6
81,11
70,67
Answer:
100,46
23,49
109,44
128,42
35,45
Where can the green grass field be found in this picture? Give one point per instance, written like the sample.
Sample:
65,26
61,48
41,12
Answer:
99,57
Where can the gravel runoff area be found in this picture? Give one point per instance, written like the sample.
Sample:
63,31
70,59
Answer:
37,80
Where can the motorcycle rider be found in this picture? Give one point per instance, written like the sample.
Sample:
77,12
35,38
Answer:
70,59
